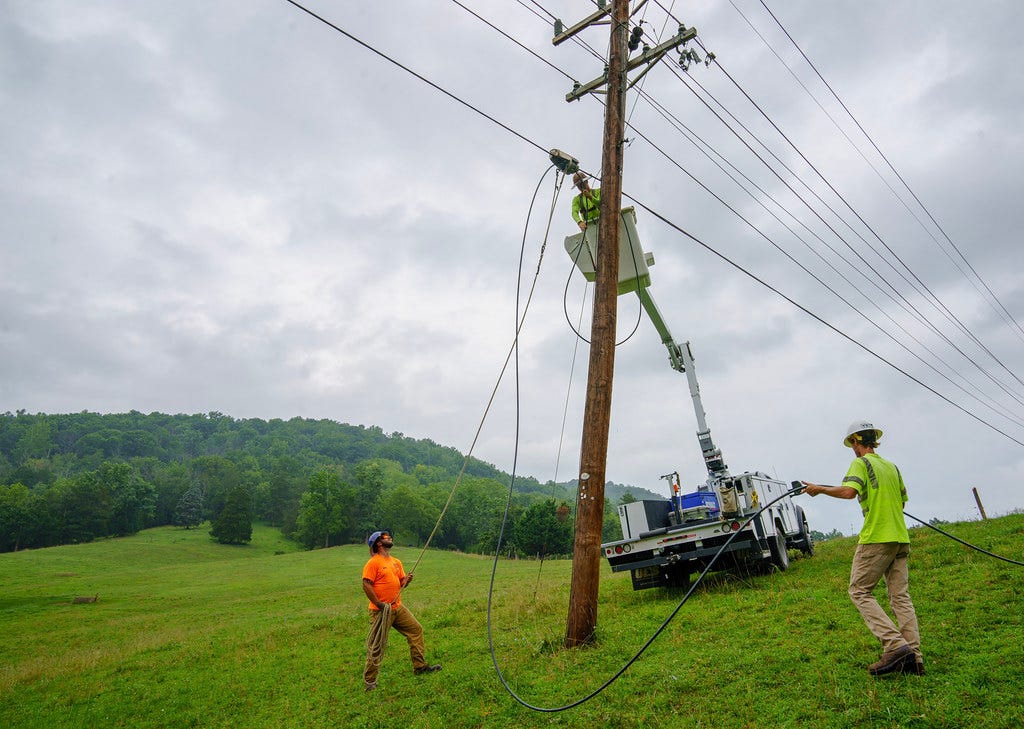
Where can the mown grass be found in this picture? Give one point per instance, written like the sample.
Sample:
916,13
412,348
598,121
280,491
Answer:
187,632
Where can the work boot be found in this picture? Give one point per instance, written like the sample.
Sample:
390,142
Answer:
892,661
427,669
915,667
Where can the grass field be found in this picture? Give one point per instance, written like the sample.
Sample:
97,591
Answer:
187,632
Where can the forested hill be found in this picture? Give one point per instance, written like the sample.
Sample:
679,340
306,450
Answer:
76,477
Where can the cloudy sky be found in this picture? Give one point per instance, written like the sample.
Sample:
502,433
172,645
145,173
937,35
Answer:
233,207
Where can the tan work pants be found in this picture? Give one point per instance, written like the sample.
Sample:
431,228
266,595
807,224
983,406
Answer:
403,621
871,563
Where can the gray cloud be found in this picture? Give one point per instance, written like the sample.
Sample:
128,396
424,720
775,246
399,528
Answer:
235,208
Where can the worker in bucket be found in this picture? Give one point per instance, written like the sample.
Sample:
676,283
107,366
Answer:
587,205
383,582
882,550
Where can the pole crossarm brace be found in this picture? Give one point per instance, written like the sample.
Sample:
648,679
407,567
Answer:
592,19
648,57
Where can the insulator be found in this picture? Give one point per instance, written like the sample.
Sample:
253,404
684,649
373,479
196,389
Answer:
635,37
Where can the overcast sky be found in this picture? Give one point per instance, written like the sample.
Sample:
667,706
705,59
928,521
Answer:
233,207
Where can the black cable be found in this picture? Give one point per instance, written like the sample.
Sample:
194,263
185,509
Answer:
565,294
688,133
966,544
647,644
934,300
408,70
673,225
1011,417
509,37
921,316
895,172
817,318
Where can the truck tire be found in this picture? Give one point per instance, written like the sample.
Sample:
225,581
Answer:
805,542
777,546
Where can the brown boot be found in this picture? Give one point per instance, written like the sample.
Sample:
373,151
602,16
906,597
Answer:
915,667
892,661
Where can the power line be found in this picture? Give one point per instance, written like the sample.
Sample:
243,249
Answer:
1008,316
664,220
921,316
934,299
1006,413
408,70
817,318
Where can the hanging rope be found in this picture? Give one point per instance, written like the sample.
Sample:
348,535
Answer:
515,343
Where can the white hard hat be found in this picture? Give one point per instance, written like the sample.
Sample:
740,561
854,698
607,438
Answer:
858,427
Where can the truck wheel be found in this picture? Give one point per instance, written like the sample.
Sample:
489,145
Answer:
805,540
777,546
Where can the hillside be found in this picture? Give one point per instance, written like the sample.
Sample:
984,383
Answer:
187,632
67,479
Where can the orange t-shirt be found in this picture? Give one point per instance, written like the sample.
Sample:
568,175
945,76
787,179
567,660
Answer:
386,574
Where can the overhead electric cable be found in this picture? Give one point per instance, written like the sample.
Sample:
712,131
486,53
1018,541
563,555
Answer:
422,78
896,367
819,319
672,225
994,404
867,136
932,298
923,319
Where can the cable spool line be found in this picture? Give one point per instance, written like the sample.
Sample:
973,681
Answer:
647,644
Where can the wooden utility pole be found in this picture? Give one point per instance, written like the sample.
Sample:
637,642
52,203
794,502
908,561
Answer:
586,562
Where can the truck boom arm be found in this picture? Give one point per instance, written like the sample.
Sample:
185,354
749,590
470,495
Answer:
681,359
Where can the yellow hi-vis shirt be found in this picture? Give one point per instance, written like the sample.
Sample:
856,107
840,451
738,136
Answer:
882,494
585,209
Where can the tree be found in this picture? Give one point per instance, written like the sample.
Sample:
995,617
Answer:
324,510
407,510
189,512
627,498
234,523
217,477
611,527
15,511
539,530
132,500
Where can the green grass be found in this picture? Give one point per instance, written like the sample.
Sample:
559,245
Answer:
188,632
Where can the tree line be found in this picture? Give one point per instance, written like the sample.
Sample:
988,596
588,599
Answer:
73,478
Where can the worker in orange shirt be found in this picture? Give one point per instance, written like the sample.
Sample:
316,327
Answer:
383,582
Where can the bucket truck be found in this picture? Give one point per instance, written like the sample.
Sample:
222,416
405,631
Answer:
664,542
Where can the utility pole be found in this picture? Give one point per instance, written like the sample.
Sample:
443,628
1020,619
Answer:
586,561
